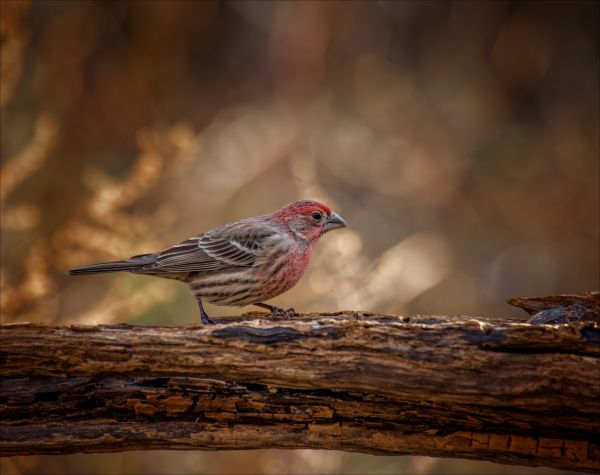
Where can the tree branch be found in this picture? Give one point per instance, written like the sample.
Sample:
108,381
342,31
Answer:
440,386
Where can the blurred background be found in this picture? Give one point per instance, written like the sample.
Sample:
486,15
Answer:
460,140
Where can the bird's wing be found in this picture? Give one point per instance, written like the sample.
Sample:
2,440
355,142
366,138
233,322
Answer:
233,246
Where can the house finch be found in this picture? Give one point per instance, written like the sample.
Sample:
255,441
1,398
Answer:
242,263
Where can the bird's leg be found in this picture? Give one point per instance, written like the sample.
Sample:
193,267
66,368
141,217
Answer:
203,316
277,310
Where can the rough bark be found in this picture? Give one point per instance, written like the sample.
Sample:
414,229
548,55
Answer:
561,308
441,386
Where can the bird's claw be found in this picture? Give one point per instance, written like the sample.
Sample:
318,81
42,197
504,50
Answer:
284,313
277,311
290,312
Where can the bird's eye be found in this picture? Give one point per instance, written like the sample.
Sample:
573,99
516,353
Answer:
316,216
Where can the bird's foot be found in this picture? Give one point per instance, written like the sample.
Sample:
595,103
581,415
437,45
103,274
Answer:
285,313
206,320
278,311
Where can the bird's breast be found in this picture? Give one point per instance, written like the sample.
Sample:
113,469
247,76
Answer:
252,284
286,272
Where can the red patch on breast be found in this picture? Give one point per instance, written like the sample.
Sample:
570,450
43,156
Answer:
295,268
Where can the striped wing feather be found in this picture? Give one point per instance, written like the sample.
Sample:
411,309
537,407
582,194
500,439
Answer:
228,248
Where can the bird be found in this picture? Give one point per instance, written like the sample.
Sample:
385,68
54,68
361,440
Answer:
242,263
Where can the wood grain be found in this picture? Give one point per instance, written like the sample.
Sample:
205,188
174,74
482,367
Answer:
433,385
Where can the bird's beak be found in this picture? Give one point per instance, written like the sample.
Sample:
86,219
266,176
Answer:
334,222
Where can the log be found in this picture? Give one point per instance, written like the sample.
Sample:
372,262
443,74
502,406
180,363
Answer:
496,390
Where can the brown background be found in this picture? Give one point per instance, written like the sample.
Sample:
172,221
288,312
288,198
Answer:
458,139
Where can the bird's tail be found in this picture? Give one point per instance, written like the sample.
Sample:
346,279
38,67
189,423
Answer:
132,264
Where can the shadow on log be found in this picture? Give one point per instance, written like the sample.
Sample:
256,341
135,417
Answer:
463,387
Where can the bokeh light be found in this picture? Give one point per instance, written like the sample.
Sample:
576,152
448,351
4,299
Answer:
460,140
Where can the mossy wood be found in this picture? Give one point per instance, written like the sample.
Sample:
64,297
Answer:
464,387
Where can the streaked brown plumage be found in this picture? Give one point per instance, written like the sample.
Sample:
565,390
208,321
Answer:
241,263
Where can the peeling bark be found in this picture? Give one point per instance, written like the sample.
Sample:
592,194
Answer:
440,386
561,308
